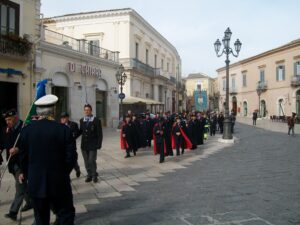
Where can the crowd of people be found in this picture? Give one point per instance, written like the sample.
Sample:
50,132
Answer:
169,131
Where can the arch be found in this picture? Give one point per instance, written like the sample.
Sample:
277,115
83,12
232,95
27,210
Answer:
280,106
245,108
60,79
263,108
101,85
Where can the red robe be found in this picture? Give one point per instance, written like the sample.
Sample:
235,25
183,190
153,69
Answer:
187,143
123,142
154,143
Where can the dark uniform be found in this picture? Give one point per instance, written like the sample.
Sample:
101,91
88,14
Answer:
148,129
129,134
158,132
47,156
192,132
213,125
91,141
179,140
167,135
220,122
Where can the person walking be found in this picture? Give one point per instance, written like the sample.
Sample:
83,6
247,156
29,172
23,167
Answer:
291,124
91,141
9,137
159,140
254,117
65,119
47,156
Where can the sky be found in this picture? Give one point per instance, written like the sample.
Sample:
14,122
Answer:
192,26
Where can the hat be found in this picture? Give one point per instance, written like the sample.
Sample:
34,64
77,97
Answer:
9,113
46,101
64,114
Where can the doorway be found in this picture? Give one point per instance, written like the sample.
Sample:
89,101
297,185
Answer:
63,100
298,102
234,105
101,106
263,110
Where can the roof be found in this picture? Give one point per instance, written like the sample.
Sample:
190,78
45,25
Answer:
197,75
291,44
132,100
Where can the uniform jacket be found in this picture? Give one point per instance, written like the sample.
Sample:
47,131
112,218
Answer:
47,156
92,135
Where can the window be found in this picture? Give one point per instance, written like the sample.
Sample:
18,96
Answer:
224,84
94,47
155,61
162,64
147,56
280,73
9,17
297,68
199,87
244,80
262,75
137,50
233,82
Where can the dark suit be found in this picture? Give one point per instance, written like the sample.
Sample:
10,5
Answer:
75,134
47,156
91,141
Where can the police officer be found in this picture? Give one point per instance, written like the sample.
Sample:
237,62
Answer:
91,141
65,119
47,156
9,136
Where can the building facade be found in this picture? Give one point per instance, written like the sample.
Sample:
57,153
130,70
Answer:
152,63
19,34
77,76
268,82
199,92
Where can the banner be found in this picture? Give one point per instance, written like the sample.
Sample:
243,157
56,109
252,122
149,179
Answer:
200,98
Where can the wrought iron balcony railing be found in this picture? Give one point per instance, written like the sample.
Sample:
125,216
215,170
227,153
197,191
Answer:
295,81
15,47
131,63
262,85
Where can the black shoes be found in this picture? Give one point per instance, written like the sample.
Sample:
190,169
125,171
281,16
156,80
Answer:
95,179
127,156
26,208
88,179
11,216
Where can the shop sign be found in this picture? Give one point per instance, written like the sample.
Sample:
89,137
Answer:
85,70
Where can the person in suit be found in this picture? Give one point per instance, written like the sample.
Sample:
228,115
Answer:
91,141
159,139
9,136
65,119
47,156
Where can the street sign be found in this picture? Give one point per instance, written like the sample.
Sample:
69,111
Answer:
121,96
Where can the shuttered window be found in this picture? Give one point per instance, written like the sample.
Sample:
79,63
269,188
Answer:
280,73
297,68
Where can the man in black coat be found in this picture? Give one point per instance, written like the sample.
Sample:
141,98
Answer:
9,136
47,156
148,129
200,122
168,123
221,121
192,131
65,119
91,141
129,136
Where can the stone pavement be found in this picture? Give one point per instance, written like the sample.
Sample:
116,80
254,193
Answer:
267,124
117,175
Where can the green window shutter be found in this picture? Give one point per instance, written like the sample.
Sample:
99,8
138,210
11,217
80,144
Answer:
277,73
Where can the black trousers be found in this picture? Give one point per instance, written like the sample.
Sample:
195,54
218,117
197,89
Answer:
160,148
61,205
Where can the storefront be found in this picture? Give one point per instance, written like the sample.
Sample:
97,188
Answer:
78,80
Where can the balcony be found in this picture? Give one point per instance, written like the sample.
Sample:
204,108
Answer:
261,86
15,47
79,45
233,90
295,81
135,64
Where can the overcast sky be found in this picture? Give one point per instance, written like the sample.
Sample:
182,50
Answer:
192,26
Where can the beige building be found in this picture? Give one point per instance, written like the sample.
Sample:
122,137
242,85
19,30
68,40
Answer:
152,63
19,34
268,82
199,92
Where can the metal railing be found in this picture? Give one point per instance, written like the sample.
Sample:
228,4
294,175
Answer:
143,68
295,80
80,45
232,90
262,85
18,47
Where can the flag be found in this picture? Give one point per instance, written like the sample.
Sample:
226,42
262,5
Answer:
40,92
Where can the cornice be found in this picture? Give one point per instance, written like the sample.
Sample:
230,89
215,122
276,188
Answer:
59,50
292,44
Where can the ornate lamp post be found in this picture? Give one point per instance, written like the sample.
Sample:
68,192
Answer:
121,79
227,50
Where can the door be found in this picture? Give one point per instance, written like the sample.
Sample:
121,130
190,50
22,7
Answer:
263,110
101,106
63,99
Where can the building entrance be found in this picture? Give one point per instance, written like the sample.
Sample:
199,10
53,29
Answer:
63,99
8,98
101,106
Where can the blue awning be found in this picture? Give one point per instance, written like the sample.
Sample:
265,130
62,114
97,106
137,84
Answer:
11,71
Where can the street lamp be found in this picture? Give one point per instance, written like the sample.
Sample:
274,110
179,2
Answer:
259,91
121,79
227,50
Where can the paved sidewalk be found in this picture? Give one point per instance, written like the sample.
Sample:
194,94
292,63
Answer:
117,175
267,124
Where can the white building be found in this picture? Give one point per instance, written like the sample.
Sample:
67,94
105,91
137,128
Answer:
152,63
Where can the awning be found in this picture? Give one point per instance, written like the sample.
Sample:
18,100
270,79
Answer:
10,71
133,100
